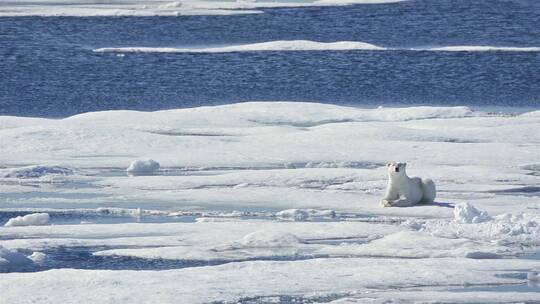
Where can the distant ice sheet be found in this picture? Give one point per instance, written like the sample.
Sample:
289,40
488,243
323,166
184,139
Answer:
282,45
82,8
483,48
308,45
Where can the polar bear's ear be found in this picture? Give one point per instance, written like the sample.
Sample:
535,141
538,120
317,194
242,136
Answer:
388,165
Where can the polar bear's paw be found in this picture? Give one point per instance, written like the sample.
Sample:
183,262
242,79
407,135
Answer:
385,203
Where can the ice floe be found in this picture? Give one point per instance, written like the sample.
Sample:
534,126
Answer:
484,48
34,171
317,156
309,45
81,8
273,193
33,219
283,45
234,281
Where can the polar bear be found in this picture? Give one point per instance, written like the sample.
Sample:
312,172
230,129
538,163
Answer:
404,191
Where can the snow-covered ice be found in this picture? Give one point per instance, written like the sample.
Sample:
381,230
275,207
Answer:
285,45
33,219
275,200
82,8
484,48
308,45
233,281
34,172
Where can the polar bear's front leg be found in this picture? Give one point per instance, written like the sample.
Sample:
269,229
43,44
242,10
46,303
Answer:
386,203
401,202
390,196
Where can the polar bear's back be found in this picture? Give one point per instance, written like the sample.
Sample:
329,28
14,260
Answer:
428,188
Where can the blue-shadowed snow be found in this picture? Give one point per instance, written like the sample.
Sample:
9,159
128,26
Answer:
34,172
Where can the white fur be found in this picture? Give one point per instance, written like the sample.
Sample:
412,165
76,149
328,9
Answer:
404,191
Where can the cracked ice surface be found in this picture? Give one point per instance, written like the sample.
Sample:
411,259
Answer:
275,200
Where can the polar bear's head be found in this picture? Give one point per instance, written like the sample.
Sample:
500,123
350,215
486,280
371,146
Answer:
396,169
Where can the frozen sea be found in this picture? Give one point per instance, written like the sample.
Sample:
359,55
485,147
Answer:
234,152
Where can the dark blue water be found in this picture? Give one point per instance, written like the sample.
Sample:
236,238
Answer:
47,67
84,258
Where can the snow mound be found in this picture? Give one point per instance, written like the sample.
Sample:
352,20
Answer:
12,258
504,229
35,171
34,219
142,167
280,45
266,238
304,214
293,214
466,213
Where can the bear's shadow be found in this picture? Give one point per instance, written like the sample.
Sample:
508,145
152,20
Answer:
441,204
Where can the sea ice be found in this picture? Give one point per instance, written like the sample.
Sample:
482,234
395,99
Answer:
484,48
265,185
234,281
81,8
505,229
34,219
307,45
413,244
266,238
34,171
282,45
304,214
